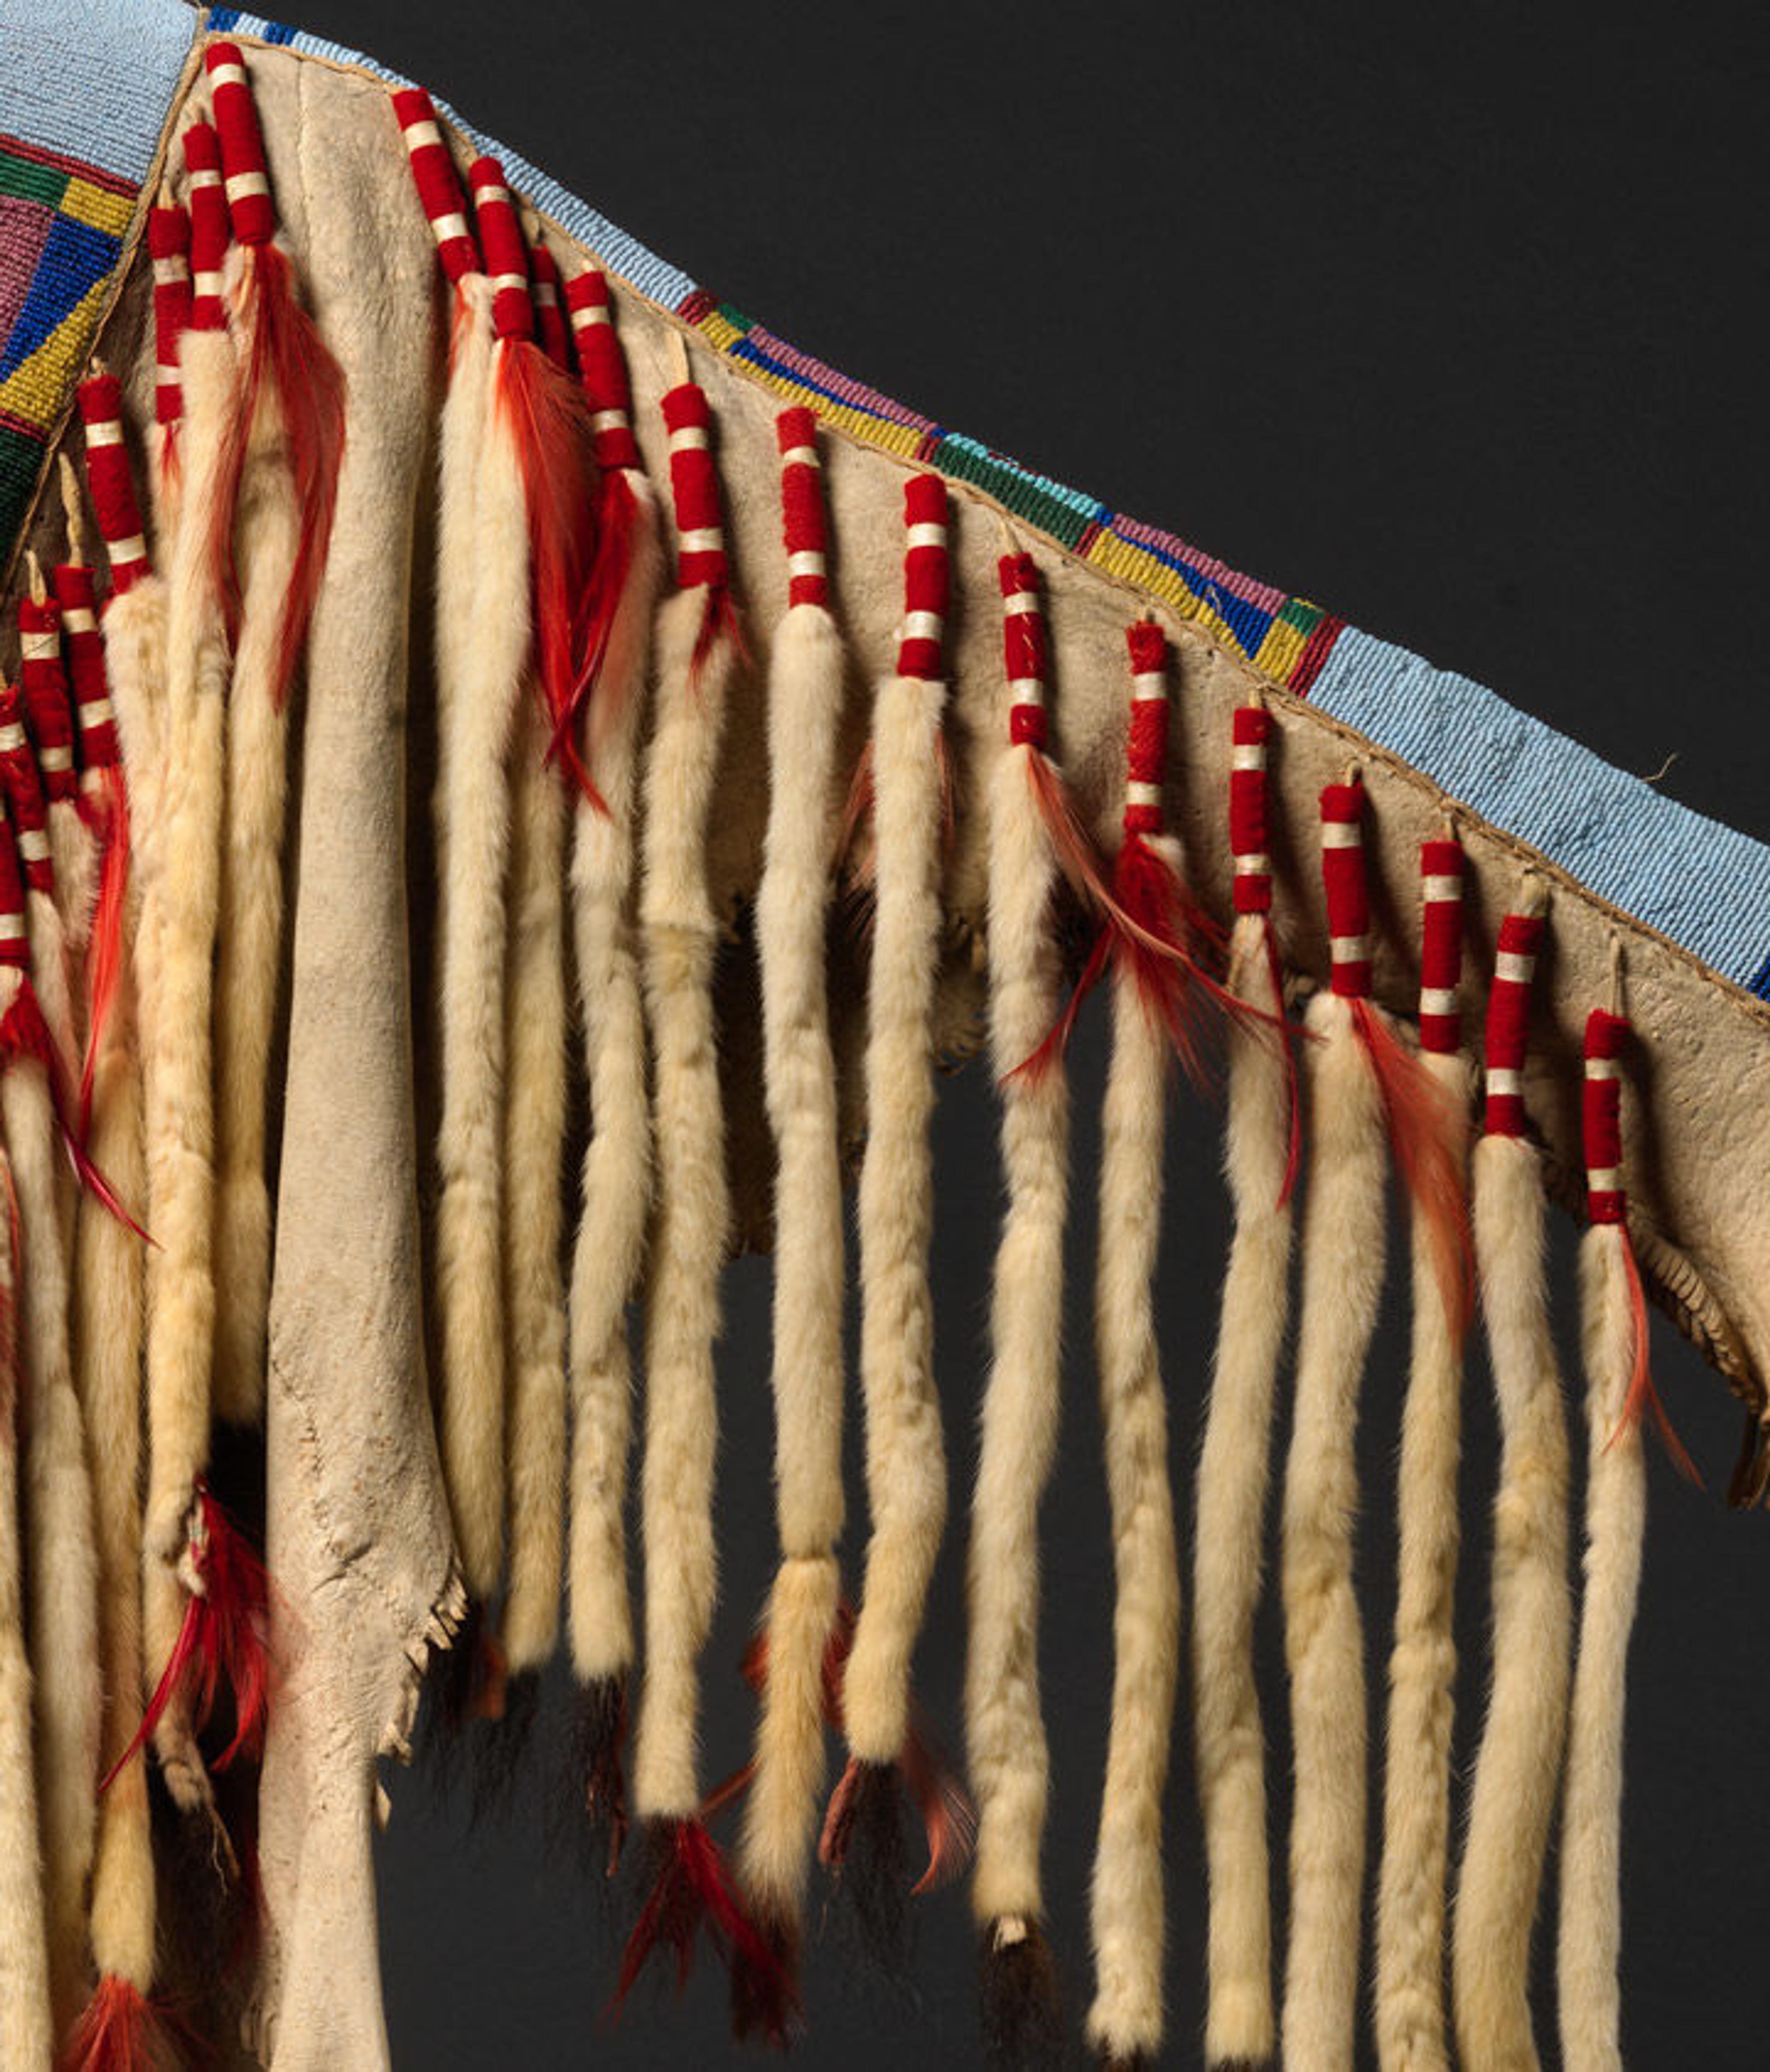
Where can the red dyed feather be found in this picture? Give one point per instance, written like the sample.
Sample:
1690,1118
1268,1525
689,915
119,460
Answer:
1429,1135
1167,941
720,621
1294,1152
106,815
286,366
618,520
121,2030
1643,1398
24,1033
224,1637
694,1890
542,409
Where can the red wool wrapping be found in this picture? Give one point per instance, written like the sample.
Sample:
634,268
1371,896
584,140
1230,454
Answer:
44,684
804,523
169,247
224,1638
550,318
1508,1020
1441,946
242,145
602,370
694,488
202,149
110,482
927,581
103,807
693,1889
286,363
24,795
1602,1117
438,183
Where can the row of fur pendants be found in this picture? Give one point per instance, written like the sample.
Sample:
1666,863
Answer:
141,935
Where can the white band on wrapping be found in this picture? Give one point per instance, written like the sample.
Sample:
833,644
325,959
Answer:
801,457
690,438
923,626
608,420
1443,891
704,540
1150,688
108,433
1248,755
926,535
1342,834
34,845
1438,1000
1604,1179
239,185
1255,863
80,618
39,646
229,72
1349,949
1604,1068
1026,691
1504,1079
804,561
1514,967
1138,793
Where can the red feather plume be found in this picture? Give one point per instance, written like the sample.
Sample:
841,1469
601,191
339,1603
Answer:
121,2030
692,1890
1294,1152
1428,1133
1643,1398
224,1638
105,814
543,412
617,521
1155,925
288,367
24,1033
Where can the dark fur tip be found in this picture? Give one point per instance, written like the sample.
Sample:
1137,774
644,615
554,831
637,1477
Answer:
599,1748
501,1745
868,1853
765,2005
1114,2061
1021,2009
467,1683
1239,2065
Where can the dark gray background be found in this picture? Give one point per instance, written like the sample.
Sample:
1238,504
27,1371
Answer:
1452,323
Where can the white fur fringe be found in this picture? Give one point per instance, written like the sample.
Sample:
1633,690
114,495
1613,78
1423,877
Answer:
1228,1530
1343,1251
